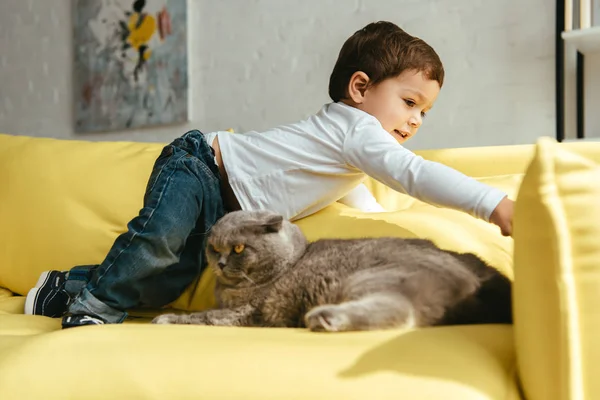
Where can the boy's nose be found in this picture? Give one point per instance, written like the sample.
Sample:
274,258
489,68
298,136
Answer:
415,122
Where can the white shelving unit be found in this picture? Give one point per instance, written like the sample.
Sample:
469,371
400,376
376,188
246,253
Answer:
584,40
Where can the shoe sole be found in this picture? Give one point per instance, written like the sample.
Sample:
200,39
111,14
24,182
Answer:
33,293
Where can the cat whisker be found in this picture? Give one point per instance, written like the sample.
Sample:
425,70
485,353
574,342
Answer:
248,278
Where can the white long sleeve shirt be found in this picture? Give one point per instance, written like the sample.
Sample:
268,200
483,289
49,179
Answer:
298,169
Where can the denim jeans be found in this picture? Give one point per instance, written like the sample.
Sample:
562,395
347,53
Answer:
162,251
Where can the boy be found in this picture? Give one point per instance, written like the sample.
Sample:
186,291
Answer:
383,84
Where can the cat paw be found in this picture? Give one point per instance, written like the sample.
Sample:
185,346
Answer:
327,318
165,319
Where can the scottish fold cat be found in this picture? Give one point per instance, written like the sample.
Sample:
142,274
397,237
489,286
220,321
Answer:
268,275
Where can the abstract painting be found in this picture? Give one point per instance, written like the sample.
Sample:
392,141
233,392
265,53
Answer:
130,64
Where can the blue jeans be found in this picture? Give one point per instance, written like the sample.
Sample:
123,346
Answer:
162,251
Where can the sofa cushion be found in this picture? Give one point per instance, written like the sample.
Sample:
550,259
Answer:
557,275
18,325
64,202
12,305
5,293
193,362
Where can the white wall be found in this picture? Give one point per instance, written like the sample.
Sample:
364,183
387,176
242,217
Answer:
258,63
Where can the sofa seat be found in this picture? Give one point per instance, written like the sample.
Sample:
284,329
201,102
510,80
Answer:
467,362
132,361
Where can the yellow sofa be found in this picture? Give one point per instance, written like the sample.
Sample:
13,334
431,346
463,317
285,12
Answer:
62,203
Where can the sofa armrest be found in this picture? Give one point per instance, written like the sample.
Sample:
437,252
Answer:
557,275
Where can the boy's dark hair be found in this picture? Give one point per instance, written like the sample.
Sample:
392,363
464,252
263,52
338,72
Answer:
382,50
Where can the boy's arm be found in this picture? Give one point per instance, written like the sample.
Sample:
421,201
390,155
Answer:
360,197
374,151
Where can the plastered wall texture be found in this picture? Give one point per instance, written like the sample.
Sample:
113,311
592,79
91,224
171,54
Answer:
255,64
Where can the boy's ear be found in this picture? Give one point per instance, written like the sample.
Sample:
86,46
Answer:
359,81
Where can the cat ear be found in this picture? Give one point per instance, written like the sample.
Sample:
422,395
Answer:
273,223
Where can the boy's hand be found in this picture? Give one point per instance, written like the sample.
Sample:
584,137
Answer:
503,216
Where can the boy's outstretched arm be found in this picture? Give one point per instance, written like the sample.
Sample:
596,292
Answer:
369,148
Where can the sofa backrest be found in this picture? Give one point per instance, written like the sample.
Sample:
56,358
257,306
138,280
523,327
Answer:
63,202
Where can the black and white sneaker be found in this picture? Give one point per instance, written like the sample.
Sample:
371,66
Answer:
48,297
74,320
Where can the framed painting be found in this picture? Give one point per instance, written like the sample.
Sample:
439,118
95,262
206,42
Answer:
130,64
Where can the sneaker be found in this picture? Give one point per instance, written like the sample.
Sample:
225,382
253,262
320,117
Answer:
48,297
74,320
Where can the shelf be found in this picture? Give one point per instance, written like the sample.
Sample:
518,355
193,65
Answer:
587,139
584,40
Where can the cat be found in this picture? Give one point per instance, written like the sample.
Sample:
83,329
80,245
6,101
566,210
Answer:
268,275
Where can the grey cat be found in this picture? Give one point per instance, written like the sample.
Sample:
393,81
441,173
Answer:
268,275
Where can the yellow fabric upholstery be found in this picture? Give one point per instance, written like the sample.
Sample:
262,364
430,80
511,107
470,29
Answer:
12,305
557,275
169,362
63,203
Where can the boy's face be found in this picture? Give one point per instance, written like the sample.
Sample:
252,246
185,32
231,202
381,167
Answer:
400,103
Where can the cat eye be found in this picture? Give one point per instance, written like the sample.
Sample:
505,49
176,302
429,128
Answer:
238,248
